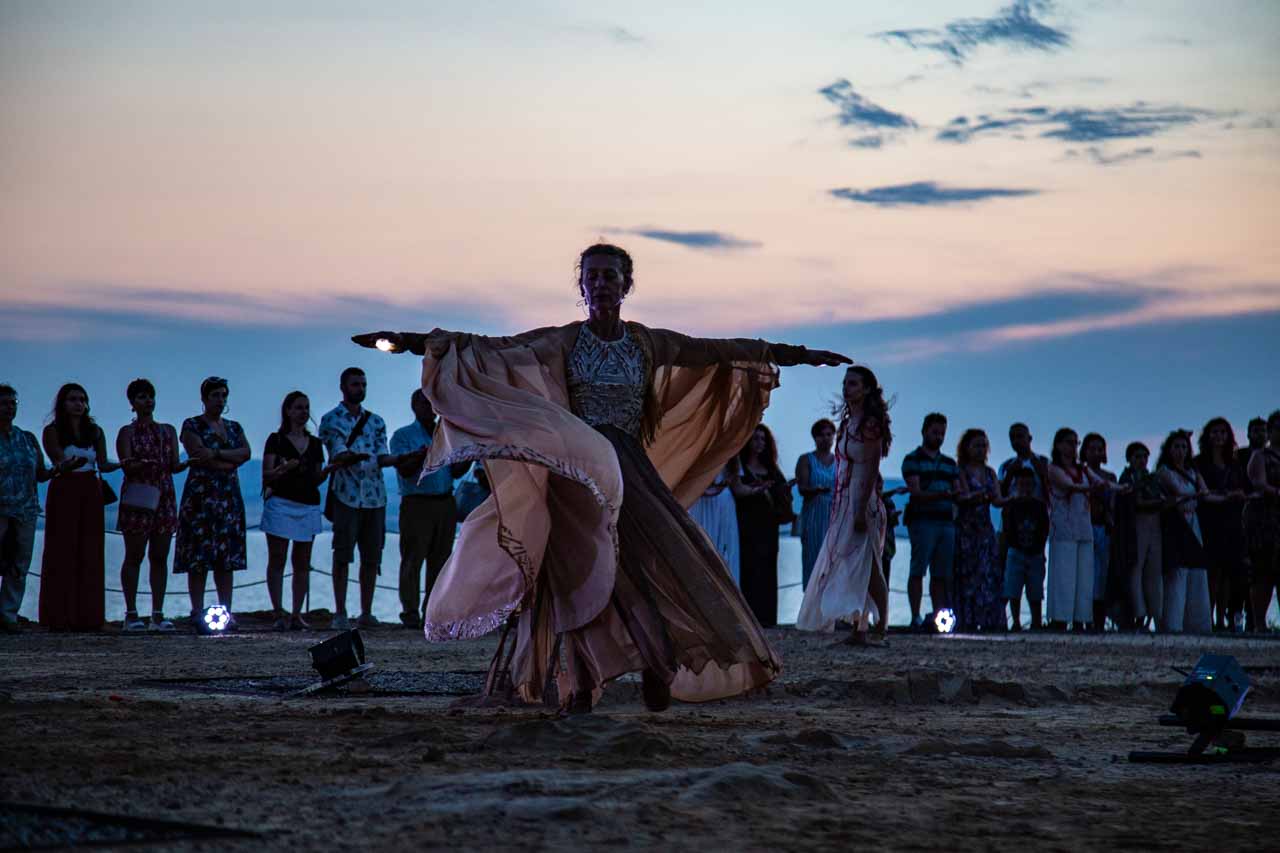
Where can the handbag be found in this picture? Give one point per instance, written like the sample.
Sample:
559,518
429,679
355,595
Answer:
108,493
329,499
139,496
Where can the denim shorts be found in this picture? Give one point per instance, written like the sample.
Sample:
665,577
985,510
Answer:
933,546
1023,569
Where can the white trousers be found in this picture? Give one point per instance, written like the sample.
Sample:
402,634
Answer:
1070,581
1186,602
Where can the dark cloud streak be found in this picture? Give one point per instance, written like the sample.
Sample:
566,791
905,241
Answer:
1015,25
702,240
927,194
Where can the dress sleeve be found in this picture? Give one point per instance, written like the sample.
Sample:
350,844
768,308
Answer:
679,350
273,444
437,341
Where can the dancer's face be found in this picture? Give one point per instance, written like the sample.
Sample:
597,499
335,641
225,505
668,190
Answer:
854,389
603,282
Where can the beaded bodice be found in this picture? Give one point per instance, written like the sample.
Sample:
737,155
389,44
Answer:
607,381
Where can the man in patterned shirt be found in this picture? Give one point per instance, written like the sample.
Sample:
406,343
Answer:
357,493
21,467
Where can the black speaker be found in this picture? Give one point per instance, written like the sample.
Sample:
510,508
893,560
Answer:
1213,691
338,655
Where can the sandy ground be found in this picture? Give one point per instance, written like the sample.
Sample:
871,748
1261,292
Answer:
933,743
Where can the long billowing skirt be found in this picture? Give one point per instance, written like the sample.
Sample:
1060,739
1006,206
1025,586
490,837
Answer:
674,610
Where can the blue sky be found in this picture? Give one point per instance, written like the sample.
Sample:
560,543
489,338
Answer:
1054,212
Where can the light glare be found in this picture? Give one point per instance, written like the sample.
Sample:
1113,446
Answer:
945,620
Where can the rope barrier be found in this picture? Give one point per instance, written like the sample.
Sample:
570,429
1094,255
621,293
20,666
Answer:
247,585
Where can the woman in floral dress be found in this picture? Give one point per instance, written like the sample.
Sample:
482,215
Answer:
211,517
979,577
149,451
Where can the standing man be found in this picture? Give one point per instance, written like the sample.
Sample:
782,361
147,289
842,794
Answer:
1023,457
357,501
428,512
933,481
21,467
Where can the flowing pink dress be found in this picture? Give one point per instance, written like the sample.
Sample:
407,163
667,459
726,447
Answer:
837,590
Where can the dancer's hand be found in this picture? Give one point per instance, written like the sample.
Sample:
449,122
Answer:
393,341
823,358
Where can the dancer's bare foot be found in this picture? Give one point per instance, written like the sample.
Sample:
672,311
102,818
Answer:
656,692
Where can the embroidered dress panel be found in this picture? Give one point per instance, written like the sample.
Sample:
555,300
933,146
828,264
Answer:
607,382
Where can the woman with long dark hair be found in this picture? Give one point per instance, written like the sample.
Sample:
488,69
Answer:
1070,534
72,574
615,580
148,513
1222,522
292,470
763,503
1186,581
979,577
848,581
211,516
715,513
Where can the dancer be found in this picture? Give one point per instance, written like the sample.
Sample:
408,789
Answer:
597,436
848,568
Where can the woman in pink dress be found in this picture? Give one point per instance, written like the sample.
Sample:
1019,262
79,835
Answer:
849,569
592,580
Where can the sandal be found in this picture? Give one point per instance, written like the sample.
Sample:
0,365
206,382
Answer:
297,623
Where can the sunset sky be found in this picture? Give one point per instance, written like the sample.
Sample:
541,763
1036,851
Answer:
1063,213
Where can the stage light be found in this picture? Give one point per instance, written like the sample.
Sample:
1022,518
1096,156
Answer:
945,620
385,345
216,619
338,660
1215,689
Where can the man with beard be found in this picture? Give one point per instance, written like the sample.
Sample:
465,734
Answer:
933,481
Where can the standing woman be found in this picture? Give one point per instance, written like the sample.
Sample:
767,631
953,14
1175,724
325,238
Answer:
148,513
211,516
1222,522
1070,534
815,477
1186,580
72,573
979,577
763,504
292,470
848,569
1262,522
715,514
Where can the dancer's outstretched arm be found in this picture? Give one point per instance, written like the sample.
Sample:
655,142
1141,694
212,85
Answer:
685,351
438,341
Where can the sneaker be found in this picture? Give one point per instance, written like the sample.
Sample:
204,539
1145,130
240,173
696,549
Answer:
368,620
133,625
340,622
160,625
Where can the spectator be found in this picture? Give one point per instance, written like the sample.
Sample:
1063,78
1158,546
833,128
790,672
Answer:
292,470
1025,522
357,505
473,490
1222,523
1146,574
1102,515
1257,437
891,518
211,514
21,467
428,512
1070,534
978,577
148,513
933,481
715,513
762,501
73,577
1186,581
815,476
1023,457
1262,522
